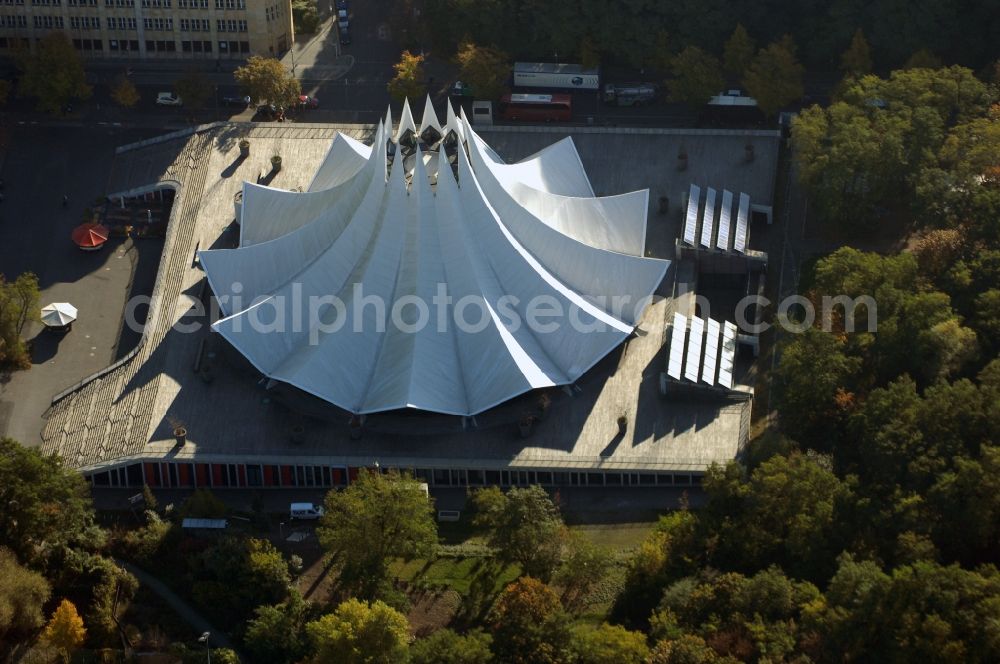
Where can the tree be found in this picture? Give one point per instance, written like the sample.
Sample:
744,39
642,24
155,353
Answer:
774,78
445,646
857,59
376,518
923,59
65,630
276,633
53,74
581,570
738,52
697,76
125,94
305,16
609,644
238,574
360,633
203,504
267,80
4,92
485,69
18,305
410,82
524,526
195,90
529,625
46,506
22,596
687,649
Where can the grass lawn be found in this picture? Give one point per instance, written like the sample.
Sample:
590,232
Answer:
616,536
458,574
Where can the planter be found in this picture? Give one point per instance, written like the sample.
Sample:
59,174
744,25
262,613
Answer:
180,436
664,205
682,162
244,148
524,427
206,375
544,402
622,425
749,152
276,163
355,428
297,434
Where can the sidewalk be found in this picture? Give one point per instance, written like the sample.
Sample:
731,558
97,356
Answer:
317,57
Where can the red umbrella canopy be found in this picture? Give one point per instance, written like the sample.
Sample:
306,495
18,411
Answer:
90,235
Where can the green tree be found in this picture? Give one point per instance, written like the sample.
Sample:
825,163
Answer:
529,625
485,69
238,574
267,80
23,593
774,78
856,61
410,81
305,16
53,74
203,504
582,569
18,306
524,526
194,89
445,646
124,93
46,506
609,644
65,630
377,518
360,633
697,76
276,633
738,52
923,59
687,649
966,504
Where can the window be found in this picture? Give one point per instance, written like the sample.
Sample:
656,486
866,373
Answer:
244,47
84,22
13,2
46,2
156,3
186,46
14,21
230,4
242,25
80,3
48,22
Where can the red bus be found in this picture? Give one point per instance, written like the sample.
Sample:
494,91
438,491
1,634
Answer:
544,108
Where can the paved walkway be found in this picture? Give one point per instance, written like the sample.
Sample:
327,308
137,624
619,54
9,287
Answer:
180,607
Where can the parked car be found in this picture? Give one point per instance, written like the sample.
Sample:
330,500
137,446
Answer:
345,37
168,99
305,511
343,4
239,102
270,112
305,101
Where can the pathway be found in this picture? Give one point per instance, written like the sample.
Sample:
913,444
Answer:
187,613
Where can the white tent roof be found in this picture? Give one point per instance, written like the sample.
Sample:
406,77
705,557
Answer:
495,247
58,314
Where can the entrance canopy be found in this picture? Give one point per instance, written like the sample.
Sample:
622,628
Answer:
90,236
424,272
58,314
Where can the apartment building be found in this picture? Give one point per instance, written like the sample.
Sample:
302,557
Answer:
154,29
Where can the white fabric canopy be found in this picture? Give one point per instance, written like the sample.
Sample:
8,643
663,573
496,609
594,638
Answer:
497,247
58,314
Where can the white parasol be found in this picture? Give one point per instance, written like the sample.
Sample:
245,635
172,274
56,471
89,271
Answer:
58,314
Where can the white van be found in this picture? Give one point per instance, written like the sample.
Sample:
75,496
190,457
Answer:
305,511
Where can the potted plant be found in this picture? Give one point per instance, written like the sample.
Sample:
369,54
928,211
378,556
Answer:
206,374
276,163
355,427
244,148
298,433
664,205
748,151
622,424
180,432
682,160
524,426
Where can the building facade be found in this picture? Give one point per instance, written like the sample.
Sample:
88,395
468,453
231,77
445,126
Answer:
153,29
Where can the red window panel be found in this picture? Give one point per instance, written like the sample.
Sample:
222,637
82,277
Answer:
338,476
286,476
269,478
217,471
184,474
152,477
242,471
201,474
352,473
